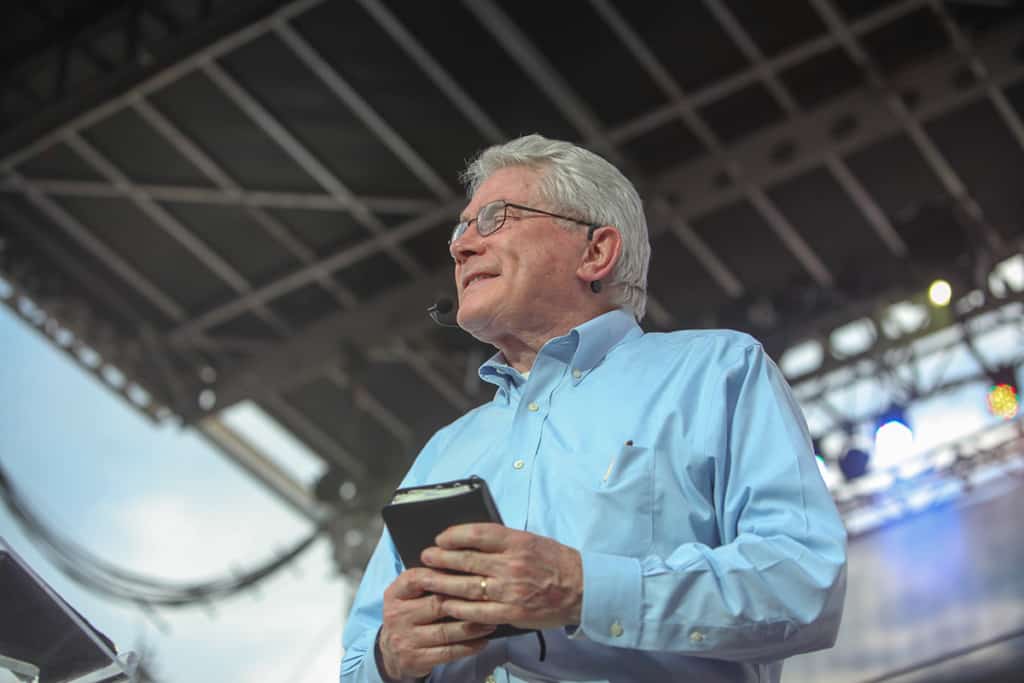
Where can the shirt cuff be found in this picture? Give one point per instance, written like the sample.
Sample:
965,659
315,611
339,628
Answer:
378,667
612,611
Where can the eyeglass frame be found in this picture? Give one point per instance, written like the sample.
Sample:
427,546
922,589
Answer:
462,226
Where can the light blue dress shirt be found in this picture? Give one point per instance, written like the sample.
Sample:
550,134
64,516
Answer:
680,467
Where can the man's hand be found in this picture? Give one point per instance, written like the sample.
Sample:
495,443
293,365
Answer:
412,640
511,577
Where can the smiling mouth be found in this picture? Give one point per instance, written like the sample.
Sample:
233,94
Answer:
477,278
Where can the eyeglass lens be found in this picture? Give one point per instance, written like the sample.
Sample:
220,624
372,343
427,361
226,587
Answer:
490,218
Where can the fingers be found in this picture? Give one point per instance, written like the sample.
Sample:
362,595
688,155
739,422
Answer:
408,585
464,561
469,587
488,538
406,662
454,632
408,602
477,612
415,634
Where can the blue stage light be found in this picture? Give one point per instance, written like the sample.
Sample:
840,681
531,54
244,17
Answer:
894,439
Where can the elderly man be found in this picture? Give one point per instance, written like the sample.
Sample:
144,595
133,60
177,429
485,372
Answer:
665,519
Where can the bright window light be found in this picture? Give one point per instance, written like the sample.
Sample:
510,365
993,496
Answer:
1008,273
250,421
853,338
903,318
803,358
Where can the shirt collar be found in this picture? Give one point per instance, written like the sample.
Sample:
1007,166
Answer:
598,336
587,344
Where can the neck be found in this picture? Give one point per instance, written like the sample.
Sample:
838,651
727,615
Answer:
520,350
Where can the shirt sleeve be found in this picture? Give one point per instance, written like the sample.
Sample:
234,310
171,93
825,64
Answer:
773,584
359,663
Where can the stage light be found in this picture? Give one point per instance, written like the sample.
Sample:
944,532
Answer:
1003,399
854,463
940,293
894,439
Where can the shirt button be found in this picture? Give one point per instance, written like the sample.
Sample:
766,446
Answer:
533,407
616,629
576,373
519,464
696,636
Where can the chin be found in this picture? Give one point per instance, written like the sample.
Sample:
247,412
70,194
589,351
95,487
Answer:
475,322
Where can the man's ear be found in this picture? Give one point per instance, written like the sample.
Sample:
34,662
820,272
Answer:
603,252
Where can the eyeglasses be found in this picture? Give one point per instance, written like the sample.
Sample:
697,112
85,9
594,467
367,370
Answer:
492,216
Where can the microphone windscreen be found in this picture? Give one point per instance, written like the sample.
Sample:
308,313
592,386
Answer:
444,306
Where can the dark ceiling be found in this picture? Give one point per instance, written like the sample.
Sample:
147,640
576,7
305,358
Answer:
253,199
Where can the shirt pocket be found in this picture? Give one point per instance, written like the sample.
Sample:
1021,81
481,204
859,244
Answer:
616,515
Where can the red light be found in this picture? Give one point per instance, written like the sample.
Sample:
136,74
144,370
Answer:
1003,401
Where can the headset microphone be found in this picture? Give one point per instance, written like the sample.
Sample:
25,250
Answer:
442,306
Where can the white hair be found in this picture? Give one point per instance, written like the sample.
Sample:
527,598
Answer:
579,183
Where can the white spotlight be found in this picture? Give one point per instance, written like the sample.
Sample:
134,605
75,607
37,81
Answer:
940,293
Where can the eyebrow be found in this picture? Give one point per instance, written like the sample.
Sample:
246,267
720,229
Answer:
462,216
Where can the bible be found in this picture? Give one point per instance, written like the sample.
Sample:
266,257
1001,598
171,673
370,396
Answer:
417,514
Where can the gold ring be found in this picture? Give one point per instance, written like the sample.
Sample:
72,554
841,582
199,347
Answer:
483,588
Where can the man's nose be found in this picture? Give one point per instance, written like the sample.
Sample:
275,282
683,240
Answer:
466,244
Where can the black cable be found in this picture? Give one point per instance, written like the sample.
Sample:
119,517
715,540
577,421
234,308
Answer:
960,652
100,576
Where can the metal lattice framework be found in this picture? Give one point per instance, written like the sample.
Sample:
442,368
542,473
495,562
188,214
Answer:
331,341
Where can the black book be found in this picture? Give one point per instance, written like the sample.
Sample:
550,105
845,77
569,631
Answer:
417,514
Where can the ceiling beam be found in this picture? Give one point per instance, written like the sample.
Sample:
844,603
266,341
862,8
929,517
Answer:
309,273
159,80
884,344
358,105
697,185
324,445
547,78
444,82
342,295
398,313
78,349
687,113
714,266
107,256
306,160
963,45
262,199
212,170
720,89
911,125
860,197
365,401
258,464
437,380
175,229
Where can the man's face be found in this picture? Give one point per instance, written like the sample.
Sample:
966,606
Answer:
521,279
